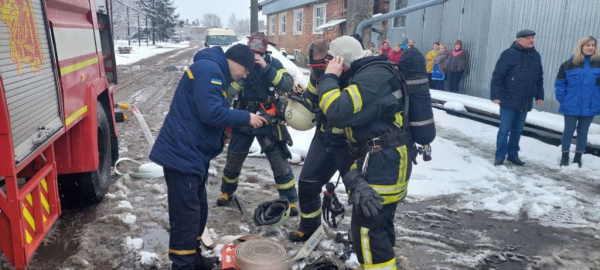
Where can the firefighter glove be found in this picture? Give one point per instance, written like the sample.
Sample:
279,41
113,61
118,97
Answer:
364,198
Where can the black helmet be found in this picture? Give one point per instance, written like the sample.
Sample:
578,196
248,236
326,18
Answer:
275,212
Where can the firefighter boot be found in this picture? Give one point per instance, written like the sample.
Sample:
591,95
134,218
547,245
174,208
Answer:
298,236
577,159
205,263
294,210
564,160
224,199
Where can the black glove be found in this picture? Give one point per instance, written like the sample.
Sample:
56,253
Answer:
361,195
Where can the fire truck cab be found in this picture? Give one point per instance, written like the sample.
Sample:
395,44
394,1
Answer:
57,127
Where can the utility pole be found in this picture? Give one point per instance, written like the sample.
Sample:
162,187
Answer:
253,16
359,10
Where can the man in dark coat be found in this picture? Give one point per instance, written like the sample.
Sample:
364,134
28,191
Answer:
517,80
191,136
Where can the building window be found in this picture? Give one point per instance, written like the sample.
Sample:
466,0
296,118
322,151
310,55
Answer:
400,21
298,17
319,17
282,23
271,25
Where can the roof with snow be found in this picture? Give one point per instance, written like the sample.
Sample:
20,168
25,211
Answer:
331,23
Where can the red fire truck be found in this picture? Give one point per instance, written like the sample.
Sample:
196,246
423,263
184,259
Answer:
57,126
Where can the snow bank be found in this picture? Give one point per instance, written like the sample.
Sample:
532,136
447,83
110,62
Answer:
141,52
547,120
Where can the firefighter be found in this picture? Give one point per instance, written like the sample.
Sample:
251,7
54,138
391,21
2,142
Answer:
327,154
257,94
370,110
191,136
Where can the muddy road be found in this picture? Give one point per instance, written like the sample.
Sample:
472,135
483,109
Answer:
129,229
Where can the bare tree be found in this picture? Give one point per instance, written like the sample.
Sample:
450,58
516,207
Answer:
211,20
232,22
359,10
243,27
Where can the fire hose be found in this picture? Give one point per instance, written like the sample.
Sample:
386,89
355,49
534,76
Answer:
145,170
259,253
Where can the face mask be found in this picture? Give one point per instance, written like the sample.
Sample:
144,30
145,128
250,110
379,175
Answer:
258,45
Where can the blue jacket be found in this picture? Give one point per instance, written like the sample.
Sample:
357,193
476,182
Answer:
192,133
578,88
518,78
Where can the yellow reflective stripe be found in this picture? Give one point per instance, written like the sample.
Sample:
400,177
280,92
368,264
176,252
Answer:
224,93
287,185
365,245
77,66
355,96
398,119
189,73
311,215
279,75
389,189
236,86
389,265
230,181
349,134
337,130
322,129
279,132
45,203
182,252
402,170
328,98
75,115
217,82
312,89
28,237
29,218
45,184
387,199
29,199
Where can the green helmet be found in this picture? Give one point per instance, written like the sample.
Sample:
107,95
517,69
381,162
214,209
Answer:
275,212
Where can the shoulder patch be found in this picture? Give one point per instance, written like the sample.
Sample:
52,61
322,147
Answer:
216,81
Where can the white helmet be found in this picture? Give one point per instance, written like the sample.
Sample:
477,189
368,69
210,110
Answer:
298,116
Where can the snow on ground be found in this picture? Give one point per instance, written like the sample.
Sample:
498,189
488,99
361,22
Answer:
141,52
547,120
506,190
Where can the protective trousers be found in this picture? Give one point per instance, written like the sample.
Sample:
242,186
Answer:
373,238
321,163
237,152
188,212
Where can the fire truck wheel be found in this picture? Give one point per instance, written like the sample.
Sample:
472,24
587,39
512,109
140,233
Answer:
83,189
96,183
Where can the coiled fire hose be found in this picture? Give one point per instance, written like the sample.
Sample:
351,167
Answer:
259,253
145,170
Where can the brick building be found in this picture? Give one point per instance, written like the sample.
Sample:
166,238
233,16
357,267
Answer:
293,25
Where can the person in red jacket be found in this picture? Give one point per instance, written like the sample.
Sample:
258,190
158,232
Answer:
385,47
395,55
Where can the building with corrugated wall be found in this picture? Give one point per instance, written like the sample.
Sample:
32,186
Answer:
488,27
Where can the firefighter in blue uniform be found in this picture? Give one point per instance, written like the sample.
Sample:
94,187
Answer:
191,136
370,109
257,94
327,154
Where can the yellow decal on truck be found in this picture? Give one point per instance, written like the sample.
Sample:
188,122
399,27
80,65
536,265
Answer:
25,47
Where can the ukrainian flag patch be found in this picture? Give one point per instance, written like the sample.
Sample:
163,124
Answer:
215,81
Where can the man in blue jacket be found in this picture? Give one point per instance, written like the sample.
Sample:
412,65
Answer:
191,136
516,81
